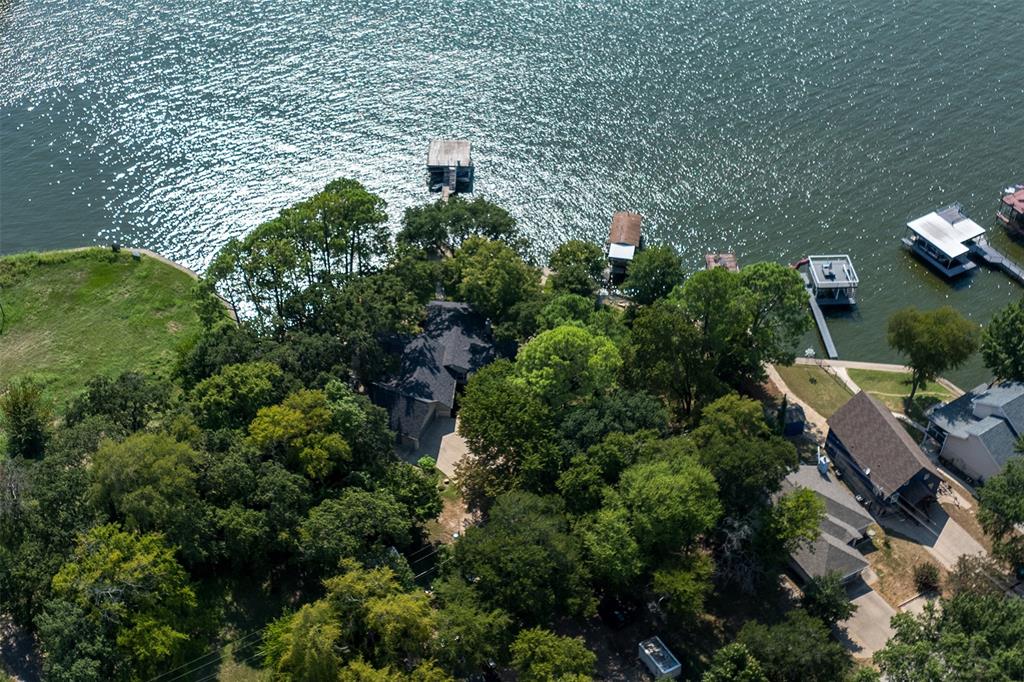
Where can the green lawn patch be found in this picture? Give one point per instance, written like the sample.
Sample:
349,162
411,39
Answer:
892,388
816,387
75,314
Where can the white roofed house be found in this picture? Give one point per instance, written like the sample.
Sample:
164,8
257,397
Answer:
977,433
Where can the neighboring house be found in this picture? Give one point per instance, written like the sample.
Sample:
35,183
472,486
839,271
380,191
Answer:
843,526
978,431
455,343
877,455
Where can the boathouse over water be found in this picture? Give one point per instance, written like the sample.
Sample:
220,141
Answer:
833,280
942,240
625,238
449,166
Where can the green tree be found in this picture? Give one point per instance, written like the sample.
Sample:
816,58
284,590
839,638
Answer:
933,342
127,591
148,483
524,560
444,225
469,634
231,398
568,363
612,553
298,432
401,625
414,489
542,656
508,429
654,272
25,419
1001,343
968,637
618,411
492,278
355,524
746,457
794,520
578,266
779,316
670,503
798,649
130,400
305,645
685,583
1001,502
826,598
564,308
733,663
664,355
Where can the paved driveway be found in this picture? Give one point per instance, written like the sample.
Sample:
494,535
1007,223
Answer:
440,441
868,629
944,538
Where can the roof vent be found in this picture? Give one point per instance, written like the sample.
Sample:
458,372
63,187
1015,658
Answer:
867,472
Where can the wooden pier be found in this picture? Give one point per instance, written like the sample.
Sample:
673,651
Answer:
995,259
819,319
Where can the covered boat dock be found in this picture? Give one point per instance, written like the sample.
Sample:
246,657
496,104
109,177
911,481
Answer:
941,239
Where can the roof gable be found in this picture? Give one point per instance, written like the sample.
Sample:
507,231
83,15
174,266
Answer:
876,441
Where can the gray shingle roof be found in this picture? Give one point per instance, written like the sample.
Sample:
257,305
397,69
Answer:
839,501
455,341
844,522
876,441
829,555
997,436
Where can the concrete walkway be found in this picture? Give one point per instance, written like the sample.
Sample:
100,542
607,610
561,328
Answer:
441,441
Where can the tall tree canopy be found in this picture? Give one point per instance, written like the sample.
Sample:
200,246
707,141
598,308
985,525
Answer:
932,341
336,233
541,656
968,637
1001,513
798,649
119,608
577,267
524,560
568,363
492,277
1002,343
444,225
654,272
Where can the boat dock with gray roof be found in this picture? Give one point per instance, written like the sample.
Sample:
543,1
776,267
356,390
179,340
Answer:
449,167
831,280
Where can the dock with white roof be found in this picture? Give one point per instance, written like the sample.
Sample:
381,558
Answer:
946,239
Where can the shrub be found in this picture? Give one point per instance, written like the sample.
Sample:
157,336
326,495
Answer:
926,576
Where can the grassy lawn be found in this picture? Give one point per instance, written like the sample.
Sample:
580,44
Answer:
74,314
892,388
816,387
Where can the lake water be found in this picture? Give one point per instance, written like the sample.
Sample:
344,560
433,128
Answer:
776,128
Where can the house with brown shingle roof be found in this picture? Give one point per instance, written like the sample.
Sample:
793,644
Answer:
877,456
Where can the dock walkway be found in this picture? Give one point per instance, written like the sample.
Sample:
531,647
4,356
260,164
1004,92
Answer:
819,319
994,258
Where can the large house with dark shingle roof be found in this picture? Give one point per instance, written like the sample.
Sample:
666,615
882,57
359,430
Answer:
843,526
978,431
877,455
455,343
